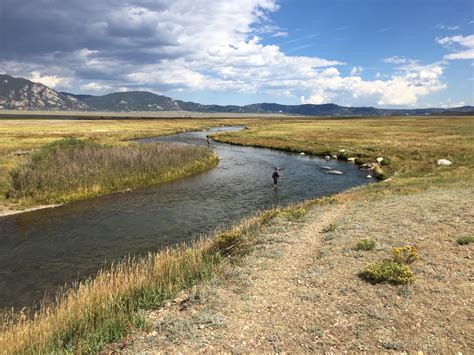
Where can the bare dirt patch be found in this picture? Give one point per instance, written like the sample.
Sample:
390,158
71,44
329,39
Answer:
299,289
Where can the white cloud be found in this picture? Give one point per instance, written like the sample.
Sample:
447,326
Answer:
95,87
397,60
451,104
400,90
463,46
330,72
202,45
445,27
52,81
356,71
280,34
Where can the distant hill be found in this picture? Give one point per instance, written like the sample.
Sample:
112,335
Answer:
131,101
22,94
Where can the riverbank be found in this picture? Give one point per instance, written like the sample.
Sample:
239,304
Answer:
299,289
21,138
72,169
288,279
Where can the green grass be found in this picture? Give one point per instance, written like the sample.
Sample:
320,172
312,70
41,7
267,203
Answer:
71,169
365,244
464,240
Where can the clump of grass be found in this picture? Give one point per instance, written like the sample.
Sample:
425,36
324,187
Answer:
365,244
464,240
379,173
406,254
330,228
385,161
226,243
293,213
267,216
388,271
71,169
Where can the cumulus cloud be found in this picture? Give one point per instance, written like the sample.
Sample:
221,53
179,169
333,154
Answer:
188,45
356,71
462,46
405,89
53,81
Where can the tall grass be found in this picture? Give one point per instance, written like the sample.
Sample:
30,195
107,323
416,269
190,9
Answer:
71,169
91,314
103,309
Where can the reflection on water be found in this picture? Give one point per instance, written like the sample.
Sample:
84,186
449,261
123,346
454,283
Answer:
42,250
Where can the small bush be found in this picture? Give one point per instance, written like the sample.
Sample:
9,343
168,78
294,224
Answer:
226,243
342,155
365,244
388,271
467,239
385,161
379,173
405,255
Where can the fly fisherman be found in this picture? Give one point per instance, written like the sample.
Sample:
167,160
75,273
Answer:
276,175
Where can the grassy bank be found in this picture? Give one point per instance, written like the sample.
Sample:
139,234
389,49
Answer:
410,146
72,169
91,314
19,138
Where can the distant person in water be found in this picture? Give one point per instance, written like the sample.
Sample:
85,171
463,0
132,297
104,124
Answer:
276,175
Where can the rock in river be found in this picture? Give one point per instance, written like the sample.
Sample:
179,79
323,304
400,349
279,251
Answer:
334,172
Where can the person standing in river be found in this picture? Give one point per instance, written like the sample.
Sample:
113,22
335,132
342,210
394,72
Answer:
276,175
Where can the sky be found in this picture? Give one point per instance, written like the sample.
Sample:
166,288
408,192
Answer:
383,53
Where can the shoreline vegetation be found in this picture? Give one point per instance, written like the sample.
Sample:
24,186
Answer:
88,315
20,139
106,308
72,169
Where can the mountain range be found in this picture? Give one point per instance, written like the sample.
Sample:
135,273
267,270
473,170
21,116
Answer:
23,94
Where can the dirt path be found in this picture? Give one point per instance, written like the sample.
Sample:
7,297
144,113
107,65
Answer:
298,291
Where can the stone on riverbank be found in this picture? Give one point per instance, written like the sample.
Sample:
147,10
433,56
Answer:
444,162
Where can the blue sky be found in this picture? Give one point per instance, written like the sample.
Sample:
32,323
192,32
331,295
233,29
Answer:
404,53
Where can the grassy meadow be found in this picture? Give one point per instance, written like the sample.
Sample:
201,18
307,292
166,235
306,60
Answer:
410,146
106,308
19,138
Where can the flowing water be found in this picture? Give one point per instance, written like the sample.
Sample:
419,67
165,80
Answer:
44,249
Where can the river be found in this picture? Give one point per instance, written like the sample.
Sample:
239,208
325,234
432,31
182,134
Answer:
44,249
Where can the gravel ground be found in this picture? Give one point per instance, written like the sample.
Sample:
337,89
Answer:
299,290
